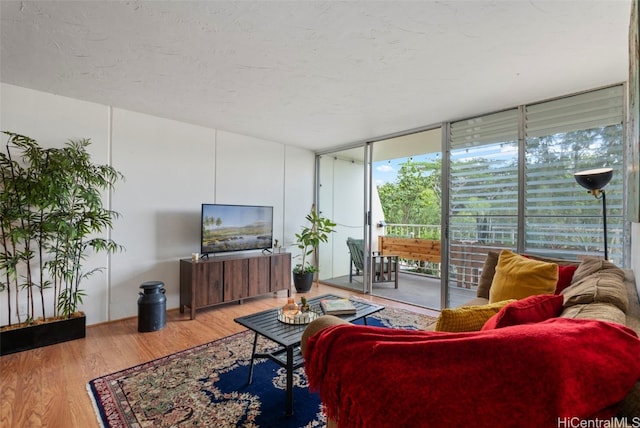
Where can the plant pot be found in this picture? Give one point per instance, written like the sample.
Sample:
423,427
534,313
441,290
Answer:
36,336
303,281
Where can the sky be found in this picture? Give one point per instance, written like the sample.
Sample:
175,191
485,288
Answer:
386,171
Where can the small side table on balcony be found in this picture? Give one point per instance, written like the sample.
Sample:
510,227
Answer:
384,268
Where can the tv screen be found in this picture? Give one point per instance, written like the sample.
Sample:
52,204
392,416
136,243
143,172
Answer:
227,228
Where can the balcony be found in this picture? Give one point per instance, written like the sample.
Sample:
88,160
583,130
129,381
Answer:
419,251
418,248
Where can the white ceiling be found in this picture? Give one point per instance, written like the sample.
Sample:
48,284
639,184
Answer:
315,74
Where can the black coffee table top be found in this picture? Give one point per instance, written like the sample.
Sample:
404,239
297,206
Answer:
266,323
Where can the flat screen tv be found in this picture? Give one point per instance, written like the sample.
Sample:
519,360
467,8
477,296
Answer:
226,228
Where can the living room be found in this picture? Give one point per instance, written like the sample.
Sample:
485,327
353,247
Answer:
173,163
159,201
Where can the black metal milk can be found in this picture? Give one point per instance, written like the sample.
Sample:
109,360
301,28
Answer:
152,306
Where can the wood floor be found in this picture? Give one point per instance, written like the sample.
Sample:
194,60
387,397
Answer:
46,387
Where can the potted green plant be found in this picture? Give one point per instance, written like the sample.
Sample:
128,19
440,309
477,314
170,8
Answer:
304,305
51,217
308,240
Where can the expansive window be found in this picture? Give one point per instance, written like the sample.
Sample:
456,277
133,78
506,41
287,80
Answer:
511,181
563,137
483,192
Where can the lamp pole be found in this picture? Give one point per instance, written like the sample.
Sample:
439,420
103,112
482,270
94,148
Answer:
594,180
604,223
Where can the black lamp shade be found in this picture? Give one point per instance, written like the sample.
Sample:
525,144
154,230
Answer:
594,179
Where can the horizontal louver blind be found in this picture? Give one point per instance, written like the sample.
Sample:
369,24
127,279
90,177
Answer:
486,130
483,194
579,112
484,165
563,137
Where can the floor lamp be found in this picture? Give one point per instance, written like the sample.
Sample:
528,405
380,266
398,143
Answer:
594,180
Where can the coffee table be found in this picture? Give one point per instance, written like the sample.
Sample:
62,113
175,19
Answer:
288,336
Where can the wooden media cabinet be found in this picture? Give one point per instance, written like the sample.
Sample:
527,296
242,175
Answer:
229,278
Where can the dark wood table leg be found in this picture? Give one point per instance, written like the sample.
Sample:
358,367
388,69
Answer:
396,268
253,353
289,369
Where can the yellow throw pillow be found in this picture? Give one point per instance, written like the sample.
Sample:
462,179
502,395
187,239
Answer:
518,277
468,318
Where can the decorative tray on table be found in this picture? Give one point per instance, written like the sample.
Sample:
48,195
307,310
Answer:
300,318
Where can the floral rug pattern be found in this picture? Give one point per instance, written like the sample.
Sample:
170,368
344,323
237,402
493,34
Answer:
207,386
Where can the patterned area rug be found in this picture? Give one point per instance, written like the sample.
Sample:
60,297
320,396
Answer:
207,386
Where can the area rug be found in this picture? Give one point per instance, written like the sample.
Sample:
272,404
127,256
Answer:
207,386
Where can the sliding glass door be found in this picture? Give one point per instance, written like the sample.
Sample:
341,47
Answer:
383,195
341,197
406,217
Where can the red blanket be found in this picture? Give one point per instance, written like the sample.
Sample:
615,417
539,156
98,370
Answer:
531,375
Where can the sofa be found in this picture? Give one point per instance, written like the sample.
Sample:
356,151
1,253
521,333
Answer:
595,294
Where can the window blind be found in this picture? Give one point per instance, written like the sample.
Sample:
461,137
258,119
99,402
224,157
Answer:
557,217
483,196
563,137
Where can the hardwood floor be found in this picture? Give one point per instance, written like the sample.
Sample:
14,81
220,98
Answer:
47,386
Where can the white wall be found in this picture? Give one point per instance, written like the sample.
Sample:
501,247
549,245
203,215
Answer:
258,178
170,168
299,177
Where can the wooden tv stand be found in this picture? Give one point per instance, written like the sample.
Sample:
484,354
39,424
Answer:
229,278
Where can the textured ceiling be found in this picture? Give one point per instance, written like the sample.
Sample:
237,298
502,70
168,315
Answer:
314,74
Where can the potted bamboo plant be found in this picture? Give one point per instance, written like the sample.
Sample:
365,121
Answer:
308,240
51,217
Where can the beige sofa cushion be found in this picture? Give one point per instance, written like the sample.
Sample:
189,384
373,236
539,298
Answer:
597,311
633,312
476,301
487,274
598,281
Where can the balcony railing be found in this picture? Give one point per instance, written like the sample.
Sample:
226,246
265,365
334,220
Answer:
469,245
468,251
423,231
428,231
